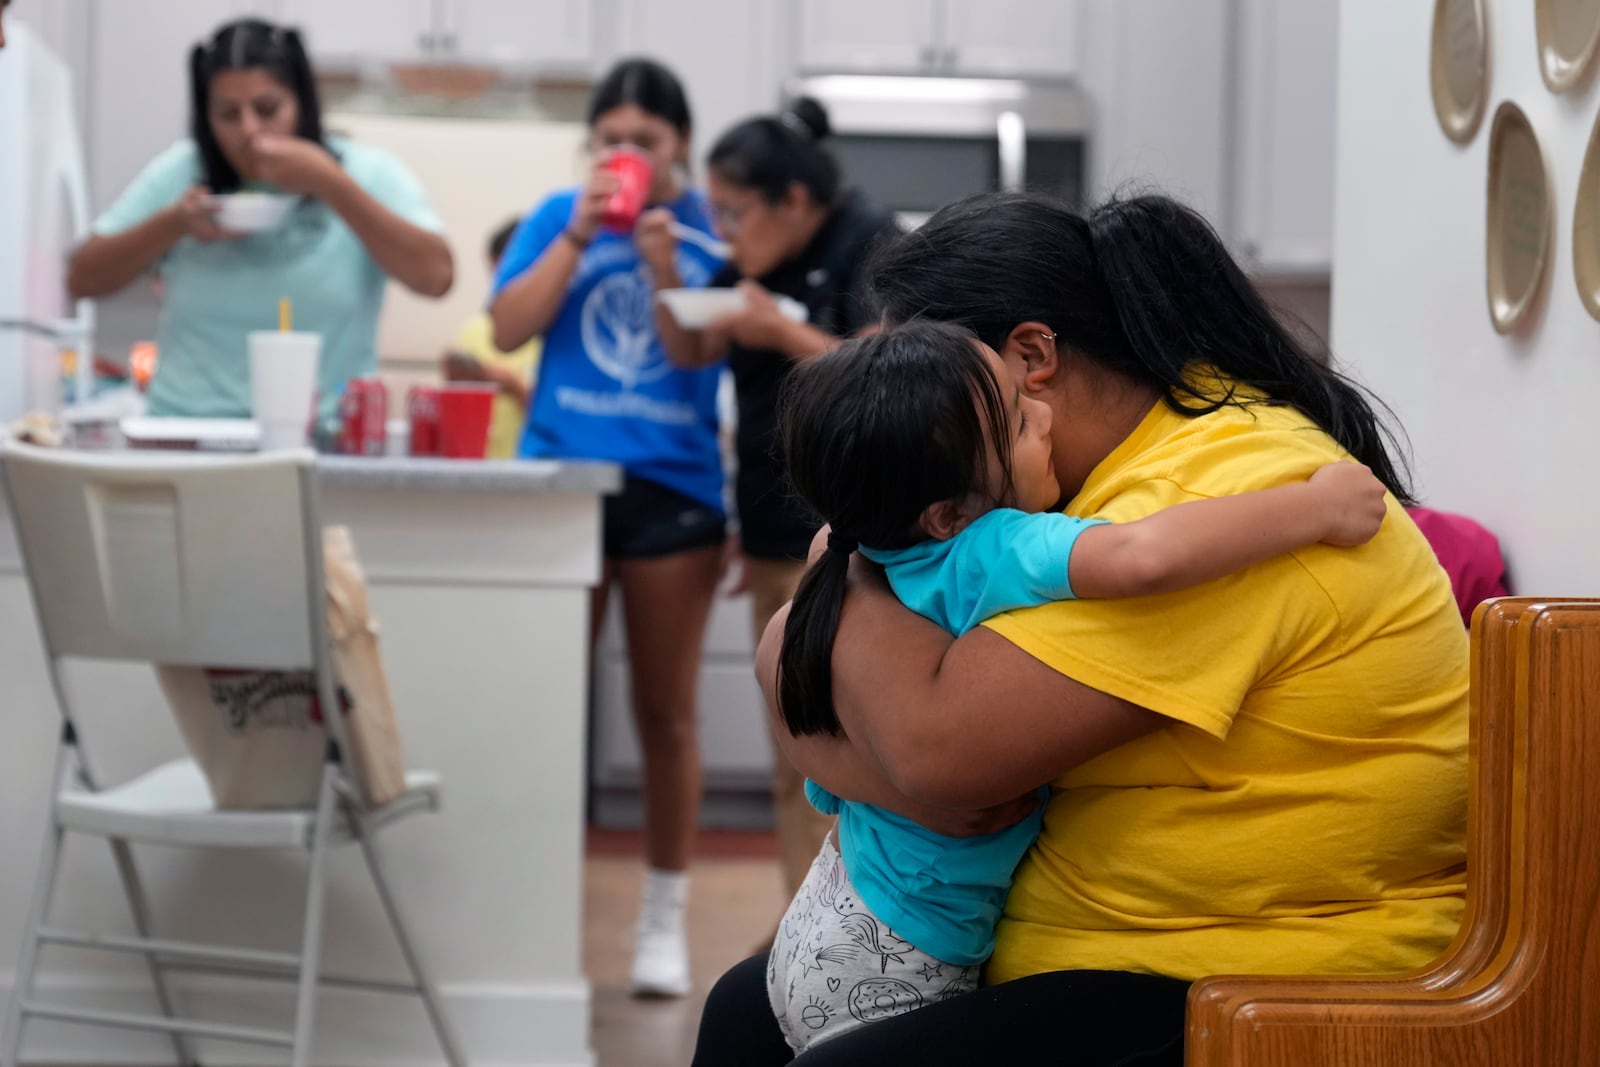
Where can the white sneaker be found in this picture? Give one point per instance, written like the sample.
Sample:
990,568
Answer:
661,946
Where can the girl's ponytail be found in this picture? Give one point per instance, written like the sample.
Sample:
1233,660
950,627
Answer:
303,80
1180,299
805,663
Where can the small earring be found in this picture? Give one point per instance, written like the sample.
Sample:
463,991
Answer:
1048,336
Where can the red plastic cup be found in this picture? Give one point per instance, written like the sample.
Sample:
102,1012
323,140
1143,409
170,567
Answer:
464,415
422,407
635,171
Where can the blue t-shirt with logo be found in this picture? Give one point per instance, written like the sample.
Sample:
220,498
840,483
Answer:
606,389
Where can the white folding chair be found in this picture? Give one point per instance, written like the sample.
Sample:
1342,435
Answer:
205,562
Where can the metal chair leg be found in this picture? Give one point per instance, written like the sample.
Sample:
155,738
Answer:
442,1029
28,959
305,1010
133,889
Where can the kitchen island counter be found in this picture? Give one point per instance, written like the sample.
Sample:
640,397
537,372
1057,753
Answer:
480,576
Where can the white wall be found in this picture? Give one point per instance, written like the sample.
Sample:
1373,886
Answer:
1503,427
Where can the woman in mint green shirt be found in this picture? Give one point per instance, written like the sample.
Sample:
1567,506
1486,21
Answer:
362,218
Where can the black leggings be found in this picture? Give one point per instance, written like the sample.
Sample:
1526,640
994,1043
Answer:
1082,1018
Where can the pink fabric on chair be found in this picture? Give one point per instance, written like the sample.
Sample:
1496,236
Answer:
1469,554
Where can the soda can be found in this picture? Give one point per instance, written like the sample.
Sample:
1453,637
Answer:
422,408
364,413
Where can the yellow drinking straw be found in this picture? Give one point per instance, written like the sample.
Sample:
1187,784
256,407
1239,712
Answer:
285,315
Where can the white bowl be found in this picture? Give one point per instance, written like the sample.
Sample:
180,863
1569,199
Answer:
695,309
251,212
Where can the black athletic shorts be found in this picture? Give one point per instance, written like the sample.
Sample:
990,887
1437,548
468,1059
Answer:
647,519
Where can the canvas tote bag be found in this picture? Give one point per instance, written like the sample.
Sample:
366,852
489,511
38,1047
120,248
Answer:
259,736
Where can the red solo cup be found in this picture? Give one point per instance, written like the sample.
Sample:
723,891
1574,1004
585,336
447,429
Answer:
464,415
422,408
635,171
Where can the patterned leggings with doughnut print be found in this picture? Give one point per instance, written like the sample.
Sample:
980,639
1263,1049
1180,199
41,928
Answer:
835,966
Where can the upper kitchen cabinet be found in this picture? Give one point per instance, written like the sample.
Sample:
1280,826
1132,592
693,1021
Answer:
536,33
1287,86
543,33
882,37
339,34
1157,72
1018,38
1012,38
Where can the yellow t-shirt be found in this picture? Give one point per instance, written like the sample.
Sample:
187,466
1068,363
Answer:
1307,810
477,340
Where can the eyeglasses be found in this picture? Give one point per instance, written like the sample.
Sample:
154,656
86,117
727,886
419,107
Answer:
726,217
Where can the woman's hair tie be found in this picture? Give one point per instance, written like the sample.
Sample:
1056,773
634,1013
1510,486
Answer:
841,543
798,125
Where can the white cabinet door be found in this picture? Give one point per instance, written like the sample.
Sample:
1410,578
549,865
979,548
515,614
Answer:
869,36
1012,38
1157,72
339,32
271,10
544,33
1287,100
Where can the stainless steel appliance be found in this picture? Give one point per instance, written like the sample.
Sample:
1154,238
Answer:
916,143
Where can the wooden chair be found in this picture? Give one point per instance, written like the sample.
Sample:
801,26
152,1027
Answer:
1520,985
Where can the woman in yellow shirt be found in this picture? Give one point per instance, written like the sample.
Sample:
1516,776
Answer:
1266,773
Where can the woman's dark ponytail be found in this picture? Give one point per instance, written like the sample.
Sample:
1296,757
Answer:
805,662
200,118
303,80
1181,299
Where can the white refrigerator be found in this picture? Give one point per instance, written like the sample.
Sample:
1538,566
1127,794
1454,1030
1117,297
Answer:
44,212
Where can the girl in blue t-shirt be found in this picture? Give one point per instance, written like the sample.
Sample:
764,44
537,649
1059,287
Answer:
606,391
919,451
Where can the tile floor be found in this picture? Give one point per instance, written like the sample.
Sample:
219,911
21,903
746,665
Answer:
735,899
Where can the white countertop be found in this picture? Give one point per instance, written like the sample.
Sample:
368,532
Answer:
435,474
405,472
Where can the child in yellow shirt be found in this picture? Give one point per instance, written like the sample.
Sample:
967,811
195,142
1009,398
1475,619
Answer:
476,359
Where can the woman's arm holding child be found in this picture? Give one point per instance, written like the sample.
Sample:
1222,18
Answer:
1199,541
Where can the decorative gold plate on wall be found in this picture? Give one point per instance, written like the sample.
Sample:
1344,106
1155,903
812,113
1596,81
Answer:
1460,66
1586,227
1519,221
1568,31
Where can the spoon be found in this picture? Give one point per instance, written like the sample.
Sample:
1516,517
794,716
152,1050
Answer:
720,249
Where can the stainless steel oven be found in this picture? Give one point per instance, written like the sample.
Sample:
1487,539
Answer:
915,144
